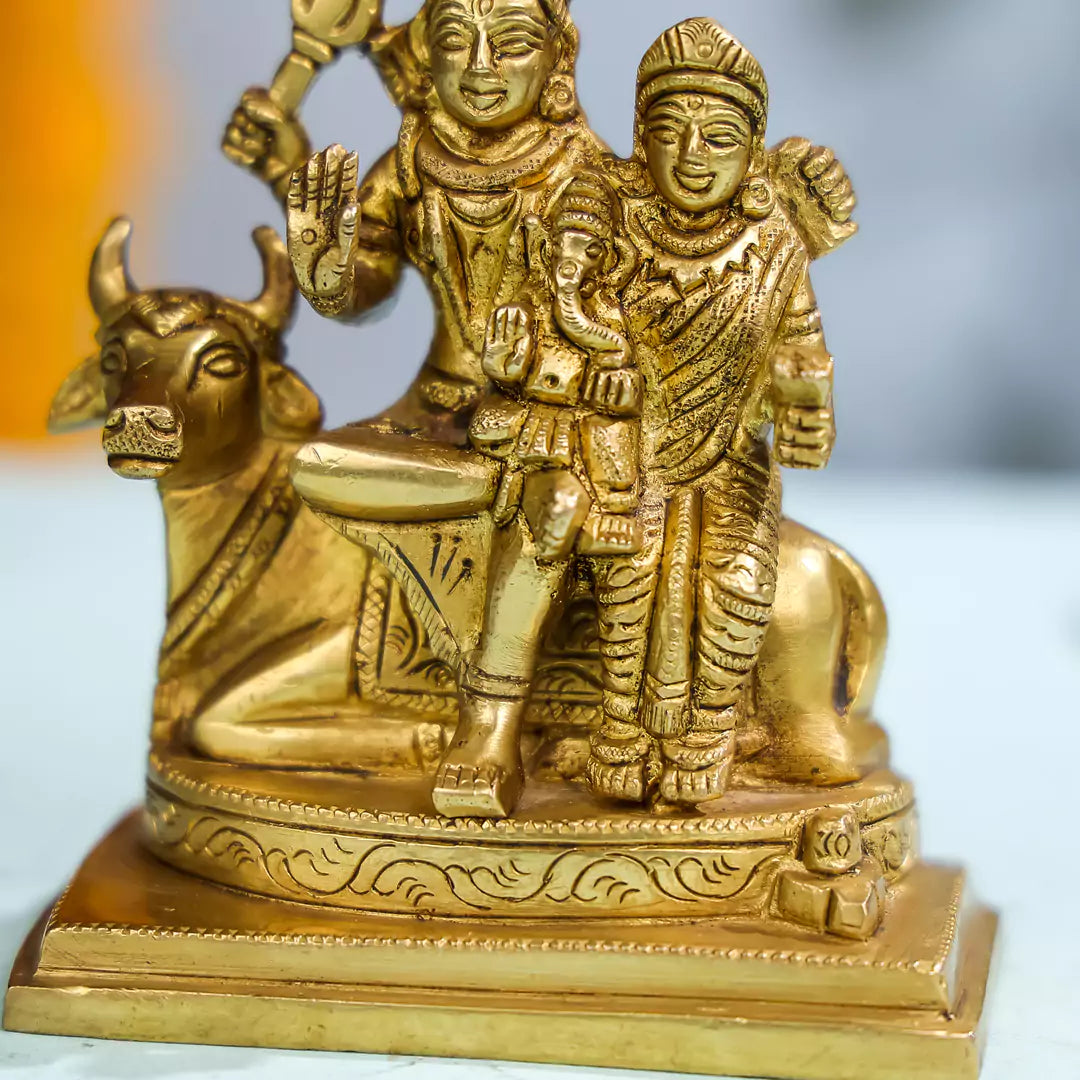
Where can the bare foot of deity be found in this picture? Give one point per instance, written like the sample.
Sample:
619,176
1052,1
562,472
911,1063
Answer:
621,762
696,767
481,774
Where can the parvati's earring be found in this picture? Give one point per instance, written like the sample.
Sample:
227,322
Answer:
756,199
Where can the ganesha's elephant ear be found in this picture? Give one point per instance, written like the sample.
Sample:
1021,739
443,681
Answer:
816,191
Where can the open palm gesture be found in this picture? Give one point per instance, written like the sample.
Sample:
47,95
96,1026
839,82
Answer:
323,216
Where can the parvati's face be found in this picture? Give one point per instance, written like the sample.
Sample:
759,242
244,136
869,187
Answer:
698,148
490,59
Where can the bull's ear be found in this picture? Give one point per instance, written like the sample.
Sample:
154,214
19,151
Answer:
80,402
290,408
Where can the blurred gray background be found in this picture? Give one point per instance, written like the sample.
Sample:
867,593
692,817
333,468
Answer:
951,315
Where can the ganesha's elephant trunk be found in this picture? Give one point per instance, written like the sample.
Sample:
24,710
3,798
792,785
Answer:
585,332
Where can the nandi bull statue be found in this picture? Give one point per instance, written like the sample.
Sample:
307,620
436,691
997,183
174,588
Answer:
258,659
516,721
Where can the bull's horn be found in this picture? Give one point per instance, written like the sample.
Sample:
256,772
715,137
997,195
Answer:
110,285
275,306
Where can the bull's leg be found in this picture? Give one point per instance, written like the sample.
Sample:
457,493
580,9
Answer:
298,710
482,772
819,668
736,589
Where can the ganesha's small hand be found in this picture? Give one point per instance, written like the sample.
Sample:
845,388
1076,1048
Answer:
508,346
614,390
323,217
804,436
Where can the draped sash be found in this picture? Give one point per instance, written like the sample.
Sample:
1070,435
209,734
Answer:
706,327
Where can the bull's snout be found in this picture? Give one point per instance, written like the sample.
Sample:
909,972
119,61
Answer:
143,441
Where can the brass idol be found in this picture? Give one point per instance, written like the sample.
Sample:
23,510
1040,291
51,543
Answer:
515,722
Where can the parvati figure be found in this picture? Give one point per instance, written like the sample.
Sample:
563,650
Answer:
728,338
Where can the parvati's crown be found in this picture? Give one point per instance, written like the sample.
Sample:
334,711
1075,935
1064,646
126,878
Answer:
701,55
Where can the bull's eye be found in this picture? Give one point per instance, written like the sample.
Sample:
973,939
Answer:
223,361
112,359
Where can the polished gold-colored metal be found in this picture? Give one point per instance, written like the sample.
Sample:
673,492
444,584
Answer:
136,950
534,654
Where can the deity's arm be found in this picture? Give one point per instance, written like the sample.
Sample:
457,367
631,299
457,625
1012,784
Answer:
801,325
802,384
816,190
344,240
265,139
613,383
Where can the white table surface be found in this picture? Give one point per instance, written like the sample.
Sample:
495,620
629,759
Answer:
982,577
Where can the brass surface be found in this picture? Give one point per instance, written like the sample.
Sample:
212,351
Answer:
368,844
135,950
521,706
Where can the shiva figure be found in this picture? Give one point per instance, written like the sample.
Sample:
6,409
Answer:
491,130
721,298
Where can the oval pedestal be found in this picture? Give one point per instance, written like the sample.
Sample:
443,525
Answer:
373,844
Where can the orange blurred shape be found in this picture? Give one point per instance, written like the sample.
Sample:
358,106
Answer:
60,119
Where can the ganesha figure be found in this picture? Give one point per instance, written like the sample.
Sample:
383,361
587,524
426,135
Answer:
563,424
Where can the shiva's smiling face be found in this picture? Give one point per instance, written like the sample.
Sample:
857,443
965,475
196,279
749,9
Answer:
490,59
698,147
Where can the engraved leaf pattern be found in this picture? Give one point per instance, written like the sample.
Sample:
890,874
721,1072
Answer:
384,876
